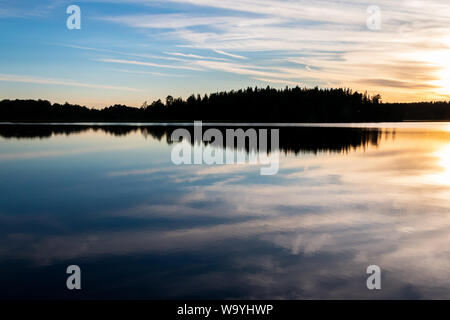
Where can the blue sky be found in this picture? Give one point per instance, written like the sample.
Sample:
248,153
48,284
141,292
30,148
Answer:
134,51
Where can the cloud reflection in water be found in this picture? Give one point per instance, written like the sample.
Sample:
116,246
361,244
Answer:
336,206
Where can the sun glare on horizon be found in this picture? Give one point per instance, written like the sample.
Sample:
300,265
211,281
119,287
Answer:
444,82
441,59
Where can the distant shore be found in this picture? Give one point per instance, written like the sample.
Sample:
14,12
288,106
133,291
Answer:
252,105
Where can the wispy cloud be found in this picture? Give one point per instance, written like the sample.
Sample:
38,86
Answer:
149,64
194,56
236,68
330,38
397,84
230,54
123,53
279,81
285,42
16,9
62,82
147,72
167,21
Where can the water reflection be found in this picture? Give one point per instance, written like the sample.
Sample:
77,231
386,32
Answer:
112,202
292,139
444,162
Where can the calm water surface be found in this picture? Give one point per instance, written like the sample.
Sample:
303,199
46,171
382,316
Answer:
109,199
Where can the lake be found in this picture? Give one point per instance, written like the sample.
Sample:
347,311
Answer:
109,199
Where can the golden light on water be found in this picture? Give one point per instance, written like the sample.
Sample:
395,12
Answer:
443,155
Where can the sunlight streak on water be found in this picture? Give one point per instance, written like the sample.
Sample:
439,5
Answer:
443,156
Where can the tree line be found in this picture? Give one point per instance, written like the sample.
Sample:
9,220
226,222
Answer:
248,105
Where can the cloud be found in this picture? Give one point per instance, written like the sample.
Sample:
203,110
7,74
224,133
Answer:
324,42
16,9
147,72
396,84
148,64
234,68
167,21
130,54
230,54
330,38
194,56
279,81
62,82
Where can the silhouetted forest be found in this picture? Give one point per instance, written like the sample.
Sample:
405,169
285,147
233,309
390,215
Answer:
292,139
249,105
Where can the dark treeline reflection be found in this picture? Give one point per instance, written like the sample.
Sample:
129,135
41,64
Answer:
47,131
291,139
300,139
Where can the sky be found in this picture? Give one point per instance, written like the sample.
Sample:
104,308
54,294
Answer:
132,51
